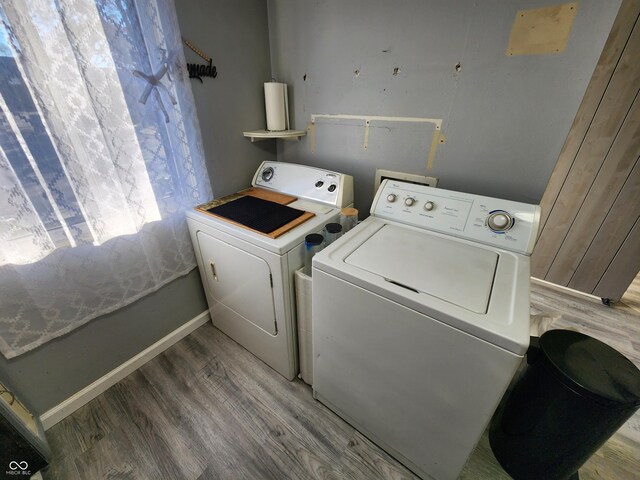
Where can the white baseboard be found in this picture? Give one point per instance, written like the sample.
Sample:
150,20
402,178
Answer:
84,396
562,288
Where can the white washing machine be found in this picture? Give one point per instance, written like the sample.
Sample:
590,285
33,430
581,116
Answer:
420,319
248,276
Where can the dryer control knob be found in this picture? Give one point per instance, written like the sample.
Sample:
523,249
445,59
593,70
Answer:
391,197
429,206
500,221
267,174
409,201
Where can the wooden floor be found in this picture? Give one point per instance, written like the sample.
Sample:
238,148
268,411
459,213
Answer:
631,298
208,409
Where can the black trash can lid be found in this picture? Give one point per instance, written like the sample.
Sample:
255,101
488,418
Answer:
592,368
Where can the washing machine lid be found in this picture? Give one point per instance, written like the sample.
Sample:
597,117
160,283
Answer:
455,272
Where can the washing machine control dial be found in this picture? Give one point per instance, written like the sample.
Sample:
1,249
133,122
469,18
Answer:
500,221
428,206
267,174
409,201
391,197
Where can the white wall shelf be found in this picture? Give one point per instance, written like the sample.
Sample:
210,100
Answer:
257,135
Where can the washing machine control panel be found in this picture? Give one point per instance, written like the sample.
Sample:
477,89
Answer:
317,184
502,223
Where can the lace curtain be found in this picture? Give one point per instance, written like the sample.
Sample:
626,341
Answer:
100,155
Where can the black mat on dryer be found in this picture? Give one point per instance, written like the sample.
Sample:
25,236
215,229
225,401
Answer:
257,214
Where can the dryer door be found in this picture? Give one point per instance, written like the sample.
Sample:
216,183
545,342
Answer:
239,280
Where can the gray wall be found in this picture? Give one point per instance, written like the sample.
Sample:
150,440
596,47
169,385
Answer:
235,34
505,118
53,372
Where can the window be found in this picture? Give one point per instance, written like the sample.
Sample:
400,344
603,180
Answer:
97,163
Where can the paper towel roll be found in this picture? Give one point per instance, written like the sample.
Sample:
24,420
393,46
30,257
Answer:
276,105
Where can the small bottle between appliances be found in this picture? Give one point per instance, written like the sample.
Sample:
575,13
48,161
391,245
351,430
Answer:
313,243
348,219
332,231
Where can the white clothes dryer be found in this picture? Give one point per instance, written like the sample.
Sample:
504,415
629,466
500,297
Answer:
421,318
248,276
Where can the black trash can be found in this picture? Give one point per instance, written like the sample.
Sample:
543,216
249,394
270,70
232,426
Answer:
575,393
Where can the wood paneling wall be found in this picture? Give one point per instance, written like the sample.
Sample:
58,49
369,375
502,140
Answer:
590,208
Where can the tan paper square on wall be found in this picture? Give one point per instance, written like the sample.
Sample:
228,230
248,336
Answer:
541,30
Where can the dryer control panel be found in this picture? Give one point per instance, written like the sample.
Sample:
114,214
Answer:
317,184
502,223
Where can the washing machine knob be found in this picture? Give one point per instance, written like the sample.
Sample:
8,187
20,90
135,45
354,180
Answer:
429,206
391,197
409,201
500,221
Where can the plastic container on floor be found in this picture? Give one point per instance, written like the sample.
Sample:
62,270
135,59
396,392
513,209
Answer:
575,393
